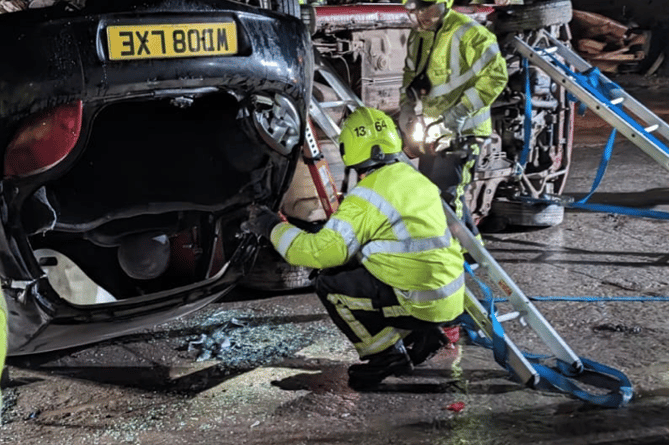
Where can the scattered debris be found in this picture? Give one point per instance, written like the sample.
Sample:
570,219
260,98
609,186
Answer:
453,334
608,44
617,328
456,407
214,344
239,340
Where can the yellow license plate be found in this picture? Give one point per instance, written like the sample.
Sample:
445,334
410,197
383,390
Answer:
131,42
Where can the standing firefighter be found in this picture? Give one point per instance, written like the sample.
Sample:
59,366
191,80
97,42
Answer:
393,272
453,71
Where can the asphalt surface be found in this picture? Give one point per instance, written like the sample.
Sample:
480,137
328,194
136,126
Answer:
276,372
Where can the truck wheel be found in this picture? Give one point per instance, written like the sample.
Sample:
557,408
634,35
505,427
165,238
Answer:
5,380
272,273
504,214
536,16
288,7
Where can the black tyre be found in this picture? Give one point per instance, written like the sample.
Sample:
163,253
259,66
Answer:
536,16
288,7
4,379
505,214
272,273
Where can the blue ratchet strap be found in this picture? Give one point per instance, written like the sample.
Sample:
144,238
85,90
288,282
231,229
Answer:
606,157
591,81
595,374
527,123
497,343
583,204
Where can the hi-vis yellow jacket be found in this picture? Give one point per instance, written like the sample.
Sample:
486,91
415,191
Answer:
464,65
394,223
3,337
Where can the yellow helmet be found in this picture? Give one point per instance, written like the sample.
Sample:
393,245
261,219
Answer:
369,137
418,4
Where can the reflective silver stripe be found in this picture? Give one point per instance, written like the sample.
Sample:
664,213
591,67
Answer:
475,98
457,81
394,311
358,329
455,47
434,294
394,217
346,231
475,121
380,342
407,246
410,64
353,303
286,239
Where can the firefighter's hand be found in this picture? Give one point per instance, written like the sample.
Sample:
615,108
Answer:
455,117
261,221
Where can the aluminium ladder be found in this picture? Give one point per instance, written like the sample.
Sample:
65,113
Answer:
611,103
318,110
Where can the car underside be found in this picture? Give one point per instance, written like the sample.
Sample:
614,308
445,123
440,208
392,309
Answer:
127,170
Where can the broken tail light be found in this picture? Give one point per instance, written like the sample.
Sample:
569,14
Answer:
44,140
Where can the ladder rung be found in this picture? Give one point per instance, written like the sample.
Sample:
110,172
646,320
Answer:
508,317
551,50
652,128
337,103
617,100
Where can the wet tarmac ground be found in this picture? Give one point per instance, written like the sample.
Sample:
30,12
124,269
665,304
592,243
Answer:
279,373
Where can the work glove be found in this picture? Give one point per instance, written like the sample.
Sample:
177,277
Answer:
455,117
261,221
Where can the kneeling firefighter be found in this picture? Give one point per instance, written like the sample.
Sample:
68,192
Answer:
392,273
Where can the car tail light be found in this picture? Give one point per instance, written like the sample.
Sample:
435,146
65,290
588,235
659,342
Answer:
44,140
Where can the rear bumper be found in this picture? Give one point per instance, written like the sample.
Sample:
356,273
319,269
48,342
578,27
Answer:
59,55
39,322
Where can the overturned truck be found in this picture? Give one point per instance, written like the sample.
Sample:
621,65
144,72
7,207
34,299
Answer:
365,44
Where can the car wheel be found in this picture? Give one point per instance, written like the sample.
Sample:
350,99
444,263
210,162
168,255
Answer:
536,16
272,273
504,214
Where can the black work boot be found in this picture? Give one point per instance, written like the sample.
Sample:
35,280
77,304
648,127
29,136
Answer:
424,344
392,361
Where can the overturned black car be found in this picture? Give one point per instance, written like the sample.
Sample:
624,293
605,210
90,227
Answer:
135,135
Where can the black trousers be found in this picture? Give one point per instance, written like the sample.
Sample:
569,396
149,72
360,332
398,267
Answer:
365,309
